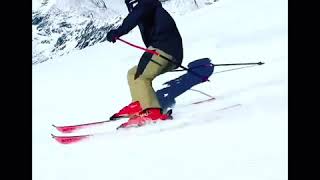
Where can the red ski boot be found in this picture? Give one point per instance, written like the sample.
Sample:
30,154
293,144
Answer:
146,116
131,110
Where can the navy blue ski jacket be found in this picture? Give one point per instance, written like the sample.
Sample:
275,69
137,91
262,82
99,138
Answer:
157,27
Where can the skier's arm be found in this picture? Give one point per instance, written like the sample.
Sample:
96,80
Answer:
133,18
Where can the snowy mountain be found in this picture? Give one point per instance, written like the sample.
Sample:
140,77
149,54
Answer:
184,6
60,26
65,25
246,142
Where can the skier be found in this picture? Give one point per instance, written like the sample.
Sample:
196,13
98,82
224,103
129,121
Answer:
159,33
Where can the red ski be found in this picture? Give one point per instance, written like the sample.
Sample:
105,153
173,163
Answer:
70,139
74,139
73,128
76,127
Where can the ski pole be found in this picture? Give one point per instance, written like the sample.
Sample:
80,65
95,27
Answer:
204,79
208,65
235,64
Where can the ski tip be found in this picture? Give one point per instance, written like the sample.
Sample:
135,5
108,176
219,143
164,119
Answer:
54,125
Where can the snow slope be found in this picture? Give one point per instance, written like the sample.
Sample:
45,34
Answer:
248,142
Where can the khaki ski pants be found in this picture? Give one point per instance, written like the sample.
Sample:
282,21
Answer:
141,88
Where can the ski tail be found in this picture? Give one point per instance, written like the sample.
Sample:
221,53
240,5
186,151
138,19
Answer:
76,127
69,139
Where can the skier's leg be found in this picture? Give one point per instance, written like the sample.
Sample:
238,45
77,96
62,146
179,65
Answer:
140,78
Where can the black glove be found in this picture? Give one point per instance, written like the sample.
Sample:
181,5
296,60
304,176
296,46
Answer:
112,35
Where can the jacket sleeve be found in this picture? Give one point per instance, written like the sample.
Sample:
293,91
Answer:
144,8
